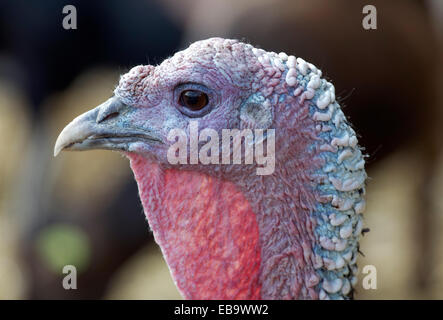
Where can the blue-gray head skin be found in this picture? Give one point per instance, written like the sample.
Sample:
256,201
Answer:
227,232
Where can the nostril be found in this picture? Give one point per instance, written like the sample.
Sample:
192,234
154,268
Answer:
109,109
109,116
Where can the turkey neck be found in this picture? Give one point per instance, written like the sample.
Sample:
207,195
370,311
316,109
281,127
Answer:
283,203
206,230
250,238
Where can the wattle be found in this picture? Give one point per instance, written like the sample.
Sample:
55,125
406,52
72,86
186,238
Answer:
206,230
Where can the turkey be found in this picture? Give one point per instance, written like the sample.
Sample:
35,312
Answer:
225,230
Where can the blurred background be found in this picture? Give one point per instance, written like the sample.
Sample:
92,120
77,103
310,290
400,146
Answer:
83,208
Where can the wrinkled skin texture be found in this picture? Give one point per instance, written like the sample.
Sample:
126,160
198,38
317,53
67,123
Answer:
285,229
226,232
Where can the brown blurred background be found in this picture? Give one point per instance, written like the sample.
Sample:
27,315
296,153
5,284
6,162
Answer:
83,208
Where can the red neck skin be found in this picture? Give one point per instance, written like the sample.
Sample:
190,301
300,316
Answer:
206,230
250,238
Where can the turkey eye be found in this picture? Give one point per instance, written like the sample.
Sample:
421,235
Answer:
193,99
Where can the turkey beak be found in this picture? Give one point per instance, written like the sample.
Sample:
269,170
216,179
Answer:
104,127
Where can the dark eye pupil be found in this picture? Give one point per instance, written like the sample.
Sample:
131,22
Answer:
193,99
